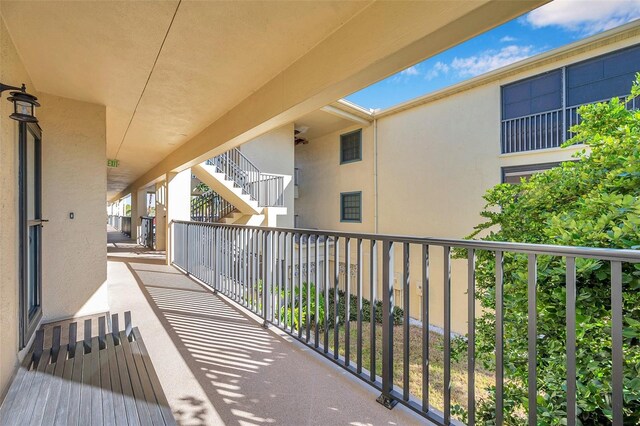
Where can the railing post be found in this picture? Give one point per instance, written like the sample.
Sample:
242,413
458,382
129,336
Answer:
267,277
385,397
216,257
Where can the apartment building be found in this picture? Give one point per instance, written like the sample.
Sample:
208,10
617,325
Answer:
422,167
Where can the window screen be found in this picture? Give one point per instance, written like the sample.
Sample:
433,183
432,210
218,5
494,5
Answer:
351,207
531,96
602,77
351,147
514,174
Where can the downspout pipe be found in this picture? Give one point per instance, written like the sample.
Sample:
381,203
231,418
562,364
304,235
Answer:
375,175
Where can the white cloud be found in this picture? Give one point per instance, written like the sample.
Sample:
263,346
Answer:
490,59
437,69
584,16
410,71
507,39
405,76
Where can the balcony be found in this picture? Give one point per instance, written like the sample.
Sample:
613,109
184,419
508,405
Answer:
216,362
267,272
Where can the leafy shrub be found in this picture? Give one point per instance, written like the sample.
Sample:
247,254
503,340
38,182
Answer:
593,202
291,313
353,308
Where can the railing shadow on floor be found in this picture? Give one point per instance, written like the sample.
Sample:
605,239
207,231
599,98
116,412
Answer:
250,374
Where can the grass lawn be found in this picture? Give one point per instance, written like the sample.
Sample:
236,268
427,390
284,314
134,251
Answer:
459,380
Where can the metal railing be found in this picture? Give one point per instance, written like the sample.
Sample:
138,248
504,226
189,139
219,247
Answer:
536,131
544,130
210,207
121,223
297,173
270,189
147,236
265,188
267,270
238,168
573,118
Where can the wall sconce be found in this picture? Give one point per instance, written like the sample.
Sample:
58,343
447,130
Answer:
24,104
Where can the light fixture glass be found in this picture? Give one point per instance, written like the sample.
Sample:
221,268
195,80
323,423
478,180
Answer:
24,106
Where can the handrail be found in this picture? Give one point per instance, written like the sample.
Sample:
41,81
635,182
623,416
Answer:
238,168
623,255
277,273
265,188
270,190
545,129
210,207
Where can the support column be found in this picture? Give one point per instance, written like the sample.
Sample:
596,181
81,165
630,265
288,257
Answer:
161,215
138,208
178,203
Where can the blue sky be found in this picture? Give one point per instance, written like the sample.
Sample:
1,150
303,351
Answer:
553,25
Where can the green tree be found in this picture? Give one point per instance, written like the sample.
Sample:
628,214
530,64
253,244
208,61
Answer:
593,201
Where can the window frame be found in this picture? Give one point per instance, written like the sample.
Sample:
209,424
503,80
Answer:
342,136
29,316
342,195
524,168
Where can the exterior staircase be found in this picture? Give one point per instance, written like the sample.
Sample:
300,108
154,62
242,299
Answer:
240,193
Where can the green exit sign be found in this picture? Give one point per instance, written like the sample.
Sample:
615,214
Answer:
112,163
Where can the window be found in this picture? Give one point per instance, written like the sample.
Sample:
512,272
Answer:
533,95
30,232
603,77
351,207
536,115
514,174
351,147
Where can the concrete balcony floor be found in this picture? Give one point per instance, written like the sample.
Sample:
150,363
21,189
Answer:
216,363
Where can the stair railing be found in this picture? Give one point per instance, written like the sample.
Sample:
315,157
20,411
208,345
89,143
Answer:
238,168
270,190
210,207
265,188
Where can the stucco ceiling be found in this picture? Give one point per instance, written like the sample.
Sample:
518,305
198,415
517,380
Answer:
320,123
164,69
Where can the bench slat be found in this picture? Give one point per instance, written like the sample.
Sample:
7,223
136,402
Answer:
96,394
167,415
105,383
116,387
75,391
56,385
12,397
107,379
141,405
149,396
62,410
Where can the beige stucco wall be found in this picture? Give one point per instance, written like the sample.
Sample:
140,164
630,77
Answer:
274,153
323,178
435,161
73,180
11,72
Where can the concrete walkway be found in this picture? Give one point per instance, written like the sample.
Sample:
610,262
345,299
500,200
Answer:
218,366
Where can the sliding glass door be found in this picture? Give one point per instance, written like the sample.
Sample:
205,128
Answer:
30,211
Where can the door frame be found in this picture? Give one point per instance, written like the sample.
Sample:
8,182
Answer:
29,320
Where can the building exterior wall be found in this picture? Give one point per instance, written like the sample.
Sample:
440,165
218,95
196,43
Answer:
323,179
435,160
73,180
11,72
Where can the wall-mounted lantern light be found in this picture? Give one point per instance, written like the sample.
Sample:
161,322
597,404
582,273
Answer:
24,104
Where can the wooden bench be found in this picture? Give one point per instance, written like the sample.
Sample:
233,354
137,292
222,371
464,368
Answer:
106,379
